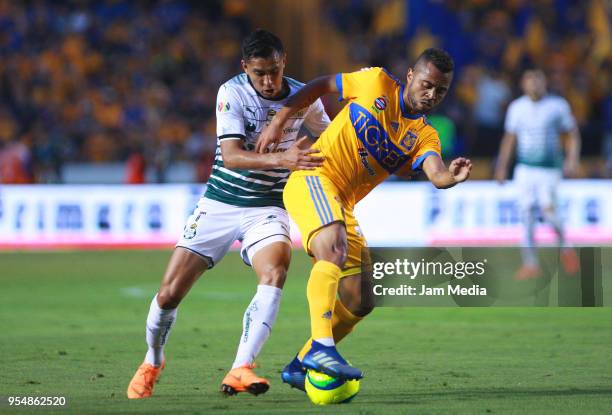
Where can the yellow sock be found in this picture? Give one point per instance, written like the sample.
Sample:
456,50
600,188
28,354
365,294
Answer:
343,322
321,292
305,349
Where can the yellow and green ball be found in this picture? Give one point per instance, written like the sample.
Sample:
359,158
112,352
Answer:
325,390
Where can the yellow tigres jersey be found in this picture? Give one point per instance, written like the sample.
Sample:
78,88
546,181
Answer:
373,136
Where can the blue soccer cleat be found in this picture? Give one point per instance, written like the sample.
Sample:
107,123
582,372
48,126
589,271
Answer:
326,359
294,374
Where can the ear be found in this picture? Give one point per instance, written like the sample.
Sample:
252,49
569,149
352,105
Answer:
244,65
409,75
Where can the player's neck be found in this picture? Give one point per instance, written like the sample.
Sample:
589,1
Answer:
409,103
536,98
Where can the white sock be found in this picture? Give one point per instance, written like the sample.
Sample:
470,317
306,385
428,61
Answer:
528,250
257,323
159,323
326,341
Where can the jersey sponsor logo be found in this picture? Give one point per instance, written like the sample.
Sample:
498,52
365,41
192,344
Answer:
375,139
363,155
380,104
409,140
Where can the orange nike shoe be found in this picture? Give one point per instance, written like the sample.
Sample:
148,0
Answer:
527,272
570,261
141,385
243,379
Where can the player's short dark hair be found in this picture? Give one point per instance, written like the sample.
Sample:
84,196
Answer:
440,59
261,44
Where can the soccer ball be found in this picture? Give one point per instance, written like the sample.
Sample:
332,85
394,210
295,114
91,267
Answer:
325,390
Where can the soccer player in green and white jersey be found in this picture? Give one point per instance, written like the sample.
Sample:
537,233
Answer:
537,124
243,201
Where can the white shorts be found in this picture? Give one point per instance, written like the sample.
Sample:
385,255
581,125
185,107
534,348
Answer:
214,226
536,186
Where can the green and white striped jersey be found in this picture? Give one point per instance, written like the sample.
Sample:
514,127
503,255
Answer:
241,115
537,125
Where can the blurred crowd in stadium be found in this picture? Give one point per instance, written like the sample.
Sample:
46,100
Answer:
492,42
136,81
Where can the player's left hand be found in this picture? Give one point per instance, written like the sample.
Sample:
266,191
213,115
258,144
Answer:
460,169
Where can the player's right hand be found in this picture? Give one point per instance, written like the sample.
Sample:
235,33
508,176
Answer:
299,158
270,136
460,168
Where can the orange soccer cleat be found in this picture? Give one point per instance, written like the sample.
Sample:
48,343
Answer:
570,261
243,379
141,385
527,272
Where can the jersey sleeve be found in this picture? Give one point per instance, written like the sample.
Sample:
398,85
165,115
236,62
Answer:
230,117
511,123
354,84
316,120
567,122
428,146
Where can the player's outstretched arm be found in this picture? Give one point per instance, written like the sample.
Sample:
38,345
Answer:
297,157
309,93
503,159
458,171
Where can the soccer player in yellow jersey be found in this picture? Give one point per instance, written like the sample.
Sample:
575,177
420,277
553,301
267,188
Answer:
381,131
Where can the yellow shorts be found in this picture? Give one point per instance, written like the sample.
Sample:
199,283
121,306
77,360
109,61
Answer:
313,203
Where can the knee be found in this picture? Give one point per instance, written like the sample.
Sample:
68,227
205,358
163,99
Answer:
168,297
274,275
548,212
330,244
334,252
336,256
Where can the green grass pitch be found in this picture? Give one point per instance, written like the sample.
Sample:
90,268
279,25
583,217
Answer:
73,325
